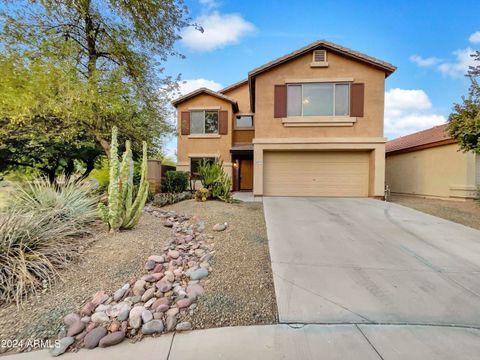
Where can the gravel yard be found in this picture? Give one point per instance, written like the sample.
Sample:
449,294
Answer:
239,290
462,212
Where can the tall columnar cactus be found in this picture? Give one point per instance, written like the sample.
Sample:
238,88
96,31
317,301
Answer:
122,211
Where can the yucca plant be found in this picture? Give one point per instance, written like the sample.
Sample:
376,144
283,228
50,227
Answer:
38,234
122,212
72,202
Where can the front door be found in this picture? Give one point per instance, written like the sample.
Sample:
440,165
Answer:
246,174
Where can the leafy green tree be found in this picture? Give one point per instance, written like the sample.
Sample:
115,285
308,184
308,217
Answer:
111,53
464,121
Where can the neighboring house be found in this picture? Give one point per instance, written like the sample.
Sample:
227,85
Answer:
307,124
429,163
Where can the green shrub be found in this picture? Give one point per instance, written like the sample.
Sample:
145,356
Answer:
215,180
40,233
176,181
163,199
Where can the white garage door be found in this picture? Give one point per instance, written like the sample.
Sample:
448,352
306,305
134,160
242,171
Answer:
316,173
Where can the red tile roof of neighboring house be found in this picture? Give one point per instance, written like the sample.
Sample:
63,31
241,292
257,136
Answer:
436,135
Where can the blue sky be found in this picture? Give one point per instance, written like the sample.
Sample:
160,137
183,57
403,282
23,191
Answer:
429,42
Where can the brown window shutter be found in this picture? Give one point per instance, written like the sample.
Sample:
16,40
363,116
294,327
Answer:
280,101
357,95
185,116
223,120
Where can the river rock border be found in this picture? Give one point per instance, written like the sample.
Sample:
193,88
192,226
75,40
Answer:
152,304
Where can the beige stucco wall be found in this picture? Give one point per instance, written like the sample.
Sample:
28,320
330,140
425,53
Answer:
365,134
371,125
189,146
242,95
441,171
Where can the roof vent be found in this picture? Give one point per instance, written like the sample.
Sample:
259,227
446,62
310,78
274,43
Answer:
319,58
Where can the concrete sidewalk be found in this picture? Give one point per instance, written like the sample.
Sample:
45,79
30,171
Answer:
342,342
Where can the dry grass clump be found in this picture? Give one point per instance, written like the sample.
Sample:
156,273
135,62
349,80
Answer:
41,232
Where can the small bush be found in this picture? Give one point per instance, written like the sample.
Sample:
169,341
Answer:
163,199
38,233
215,180
176,181
202,194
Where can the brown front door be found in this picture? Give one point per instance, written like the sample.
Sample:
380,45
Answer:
246,174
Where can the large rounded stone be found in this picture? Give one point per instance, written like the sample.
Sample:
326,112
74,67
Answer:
135,321
99,297
152,327
146,316
76,328
158,302
171,322
184,326
157,258
112,339
118,309
62,346
100,318
199,274
147,295
163,286
92,339
183,303
88,309
70,319
173,254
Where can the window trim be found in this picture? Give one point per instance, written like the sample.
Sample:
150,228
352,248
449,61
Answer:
243,128
334,83
202,134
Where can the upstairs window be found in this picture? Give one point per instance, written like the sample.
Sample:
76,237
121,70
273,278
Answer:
318,99
204,122
243,121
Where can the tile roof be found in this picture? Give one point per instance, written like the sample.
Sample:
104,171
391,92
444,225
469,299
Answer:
424,137
233,86
204,90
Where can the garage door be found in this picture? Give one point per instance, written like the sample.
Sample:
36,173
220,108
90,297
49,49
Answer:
316,173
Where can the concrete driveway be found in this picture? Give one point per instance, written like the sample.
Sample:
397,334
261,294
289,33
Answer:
365,261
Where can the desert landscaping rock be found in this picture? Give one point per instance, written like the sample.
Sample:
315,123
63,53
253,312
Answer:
220,227
92,339
147,295
184,326
184,303
146,316
100,318
153,302
99,298
163,286
76,328
156,258
120,293
152,327
70,319
62,346
171,322
88,309
113,338
199,274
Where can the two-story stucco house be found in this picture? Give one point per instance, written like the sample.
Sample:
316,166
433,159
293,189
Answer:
307,124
